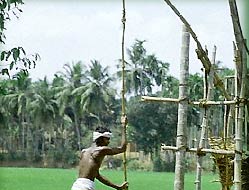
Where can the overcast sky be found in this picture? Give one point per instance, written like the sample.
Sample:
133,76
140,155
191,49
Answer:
66,31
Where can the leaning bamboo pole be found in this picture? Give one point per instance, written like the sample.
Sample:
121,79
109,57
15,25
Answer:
201,54
241,44
181,140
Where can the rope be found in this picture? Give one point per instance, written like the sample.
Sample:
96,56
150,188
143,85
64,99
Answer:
123,87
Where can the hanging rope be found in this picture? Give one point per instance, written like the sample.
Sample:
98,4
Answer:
123,87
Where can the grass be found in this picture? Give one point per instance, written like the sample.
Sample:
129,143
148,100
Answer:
62,179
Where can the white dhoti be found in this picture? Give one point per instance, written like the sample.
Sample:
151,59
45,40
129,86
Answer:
83,184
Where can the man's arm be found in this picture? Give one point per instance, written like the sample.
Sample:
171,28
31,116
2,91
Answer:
105,181
124,122
122,147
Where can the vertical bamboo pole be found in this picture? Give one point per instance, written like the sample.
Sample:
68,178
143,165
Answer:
246,128
230,119
208,95
123,86
242,121
239,113
225,118
245,89
225,135
181,139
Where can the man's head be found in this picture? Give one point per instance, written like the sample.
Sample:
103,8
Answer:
101,136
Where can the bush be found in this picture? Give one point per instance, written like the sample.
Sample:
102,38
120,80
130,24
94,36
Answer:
160,165
157,164
15,156
114,163
137,165
2,156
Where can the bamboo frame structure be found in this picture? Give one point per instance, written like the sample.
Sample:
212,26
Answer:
239,100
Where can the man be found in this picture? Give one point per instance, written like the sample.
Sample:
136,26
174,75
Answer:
92,157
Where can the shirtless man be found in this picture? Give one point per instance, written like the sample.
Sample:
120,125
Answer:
92,157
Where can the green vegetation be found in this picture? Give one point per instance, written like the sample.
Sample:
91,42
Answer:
62,179
15,58
47,122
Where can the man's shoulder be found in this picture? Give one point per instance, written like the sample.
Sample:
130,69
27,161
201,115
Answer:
100,148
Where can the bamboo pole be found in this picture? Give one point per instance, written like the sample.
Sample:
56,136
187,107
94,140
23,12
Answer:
200,151
225,137
246,129
241,44
158,99
123,88
244,94
231,113
208,94
241,71
225,118
241,119
238,127
202,140
200,103
181,139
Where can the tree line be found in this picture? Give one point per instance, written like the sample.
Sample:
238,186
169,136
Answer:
43,121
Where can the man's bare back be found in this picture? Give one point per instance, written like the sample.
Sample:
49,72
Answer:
90,162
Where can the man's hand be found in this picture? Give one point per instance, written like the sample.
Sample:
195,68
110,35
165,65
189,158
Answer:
124,120
123,186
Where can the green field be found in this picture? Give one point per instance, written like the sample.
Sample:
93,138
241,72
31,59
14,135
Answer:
62,179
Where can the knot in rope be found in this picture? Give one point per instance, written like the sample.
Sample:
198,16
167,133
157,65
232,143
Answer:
202,103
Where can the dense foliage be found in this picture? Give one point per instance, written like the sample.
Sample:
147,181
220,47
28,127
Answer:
15,57
49,121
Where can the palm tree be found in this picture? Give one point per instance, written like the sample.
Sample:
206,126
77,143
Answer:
16,102
97,95
69,104
43,112
170,86
195,82
143,71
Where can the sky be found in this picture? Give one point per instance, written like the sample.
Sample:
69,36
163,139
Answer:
82,30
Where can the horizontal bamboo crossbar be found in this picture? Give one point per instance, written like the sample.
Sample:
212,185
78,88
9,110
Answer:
214,102
203,150
157,99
